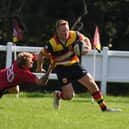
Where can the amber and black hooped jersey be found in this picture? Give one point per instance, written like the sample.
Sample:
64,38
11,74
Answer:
63,54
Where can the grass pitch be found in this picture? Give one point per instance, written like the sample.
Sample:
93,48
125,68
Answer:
35,111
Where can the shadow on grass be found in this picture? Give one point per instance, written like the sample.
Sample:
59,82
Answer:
35,94
109,100
1,107
86,97
83,97
122,100
81,100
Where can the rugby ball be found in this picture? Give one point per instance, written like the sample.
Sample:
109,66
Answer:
80,47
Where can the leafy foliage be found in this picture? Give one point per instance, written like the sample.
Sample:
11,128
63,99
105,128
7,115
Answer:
38,19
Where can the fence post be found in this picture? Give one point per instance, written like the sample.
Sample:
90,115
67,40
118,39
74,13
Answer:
104,70
9,54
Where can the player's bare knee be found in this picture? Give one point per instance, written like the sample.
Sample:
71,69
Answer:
13,90
68,97
93,86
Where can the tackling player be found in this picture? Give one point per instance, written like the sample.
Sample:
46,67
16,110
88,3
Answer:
18,73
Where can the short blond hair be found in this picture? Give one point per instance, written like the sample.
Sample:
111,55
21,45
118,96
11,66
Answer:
23,57
61,22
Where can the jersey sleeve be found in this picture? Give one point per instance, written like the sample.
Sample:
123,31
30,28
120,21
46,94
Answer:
28,77
81,36
84,38
46,49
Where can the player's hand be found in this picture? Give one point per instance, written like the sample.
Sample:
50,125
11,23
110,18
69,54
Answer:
40,70
45,79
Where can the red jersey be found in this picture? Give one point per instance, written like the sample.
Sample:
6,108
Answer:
15,75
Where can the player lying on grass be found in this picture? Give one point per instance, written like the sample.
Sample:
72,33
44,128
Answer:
18,73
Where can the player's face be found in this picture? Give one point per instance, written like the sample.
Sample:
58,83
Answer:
29,63
63,32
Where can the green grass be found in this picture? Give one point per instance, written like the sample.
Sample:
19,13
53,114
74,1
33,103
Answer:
35,111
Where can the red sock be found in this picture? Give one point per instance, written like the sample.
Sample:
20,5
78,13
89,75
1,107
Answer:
99,99
60,95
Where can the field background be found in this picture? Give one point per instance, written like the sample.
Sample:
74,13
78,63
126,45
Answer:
35,111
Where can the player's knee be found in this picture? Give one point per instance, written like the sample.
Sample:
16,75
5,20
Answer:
93,87
13,90
68,96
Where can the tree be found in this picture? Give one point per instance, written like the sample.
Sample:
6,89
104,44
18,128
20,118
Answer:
38,19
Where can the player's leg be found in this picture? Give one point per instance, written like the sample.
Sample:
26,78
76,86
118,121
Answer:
88,81
66,93
14,90
11,90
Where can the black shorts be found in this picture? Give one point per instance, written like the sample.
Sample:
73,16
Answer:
71,73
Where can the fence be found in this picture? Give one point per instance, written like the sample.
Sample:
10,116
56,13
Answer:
107,66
